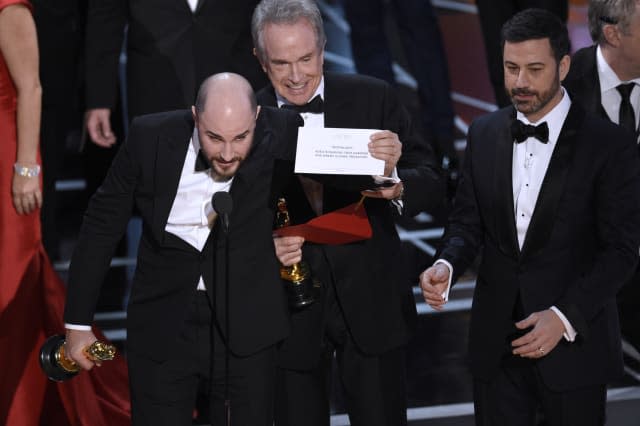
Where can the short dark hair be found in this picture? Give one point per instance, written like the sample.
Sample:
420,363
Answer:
535,24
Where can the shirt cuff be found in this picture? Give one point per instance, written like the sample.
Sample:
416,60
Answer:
445,294
77,327
397,203
393,178
569,332
206,211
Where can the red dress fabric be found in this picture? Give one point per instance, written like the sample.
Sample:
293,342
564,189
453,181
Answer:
32,298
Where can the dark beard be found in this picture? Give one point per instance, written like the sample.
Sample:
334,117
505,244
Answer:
539,101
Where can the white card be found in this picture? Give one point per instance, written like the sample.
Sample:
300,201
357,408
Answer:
333,151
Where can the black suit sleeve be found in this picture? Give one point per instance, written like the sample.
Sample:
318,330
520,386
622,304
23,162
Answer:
417,167
464,232
104,224
106,21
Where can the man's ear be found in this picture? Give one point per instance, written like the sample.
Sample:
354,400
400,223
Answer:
255,53
194,114
257,111
563,66
611,34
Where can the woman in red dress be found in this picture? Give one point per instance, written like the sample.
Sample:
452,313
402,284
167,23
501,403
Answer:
31,293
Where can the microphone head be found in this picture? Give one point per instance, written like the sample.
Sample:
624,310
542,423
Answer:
222,202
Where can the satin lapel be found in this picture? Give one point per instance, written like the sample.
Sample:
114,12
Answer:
553,184
170,156
591,86
339,108
505,224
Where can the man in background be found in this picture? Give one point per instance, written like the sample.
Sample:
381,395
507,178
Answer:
605,79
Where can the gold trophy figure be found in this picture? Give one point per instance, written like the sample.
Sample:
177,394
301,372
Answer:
58,368
301,286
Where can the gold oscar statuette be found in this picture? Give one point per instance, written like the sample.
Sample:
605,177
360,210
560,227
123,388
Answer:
301,286
59,368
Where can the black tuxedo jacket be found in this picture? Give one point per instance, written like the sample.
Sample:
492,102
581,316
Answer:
145,174
170,50
370,276
583,82
580,247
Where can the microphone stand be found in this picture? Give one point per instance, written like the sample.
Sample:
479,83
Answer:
227,400
223,204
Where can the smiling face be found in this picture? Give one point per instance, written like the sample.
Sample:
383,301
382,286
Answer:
292,60
226,136
532,76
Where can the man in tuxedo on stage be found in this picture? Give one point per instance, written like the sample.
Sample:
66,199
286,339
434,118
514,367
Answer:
180,319
605,79
365,310
554,212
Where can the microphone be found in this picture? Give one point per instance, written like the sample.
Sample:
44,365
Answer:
223,205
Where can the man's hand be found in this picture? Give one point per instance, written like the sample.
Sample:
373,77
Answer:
99,127
386,146
75,343
388,193
543,338
288,249
434,282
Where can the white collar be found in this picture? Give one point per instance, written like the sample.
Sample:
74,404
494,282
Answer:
608,78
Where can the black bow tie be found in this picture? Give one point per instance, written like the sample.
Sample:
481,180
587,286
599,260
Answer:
521,131
202,163
314,106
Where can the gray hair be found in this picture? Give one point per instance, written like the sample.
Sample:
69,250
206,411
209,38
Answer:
285,12
612,12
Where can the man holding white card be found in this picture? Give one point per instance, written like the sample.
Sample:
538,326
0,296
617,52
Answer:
366,309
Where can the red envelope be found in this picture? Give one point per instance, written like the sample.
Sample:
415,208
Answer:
341,226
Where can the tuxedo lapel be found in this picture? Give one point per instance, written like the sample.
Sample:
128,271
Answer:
590,82
553,184
339,108
503,187
170,156
593,97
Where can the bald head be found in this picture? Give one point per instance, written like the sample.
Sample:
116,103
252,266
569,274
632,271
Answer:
231,92
225,116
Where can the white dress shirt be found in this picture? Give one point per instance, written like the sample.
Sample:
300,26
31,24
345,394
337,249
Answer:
191,209
193,4
609,95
